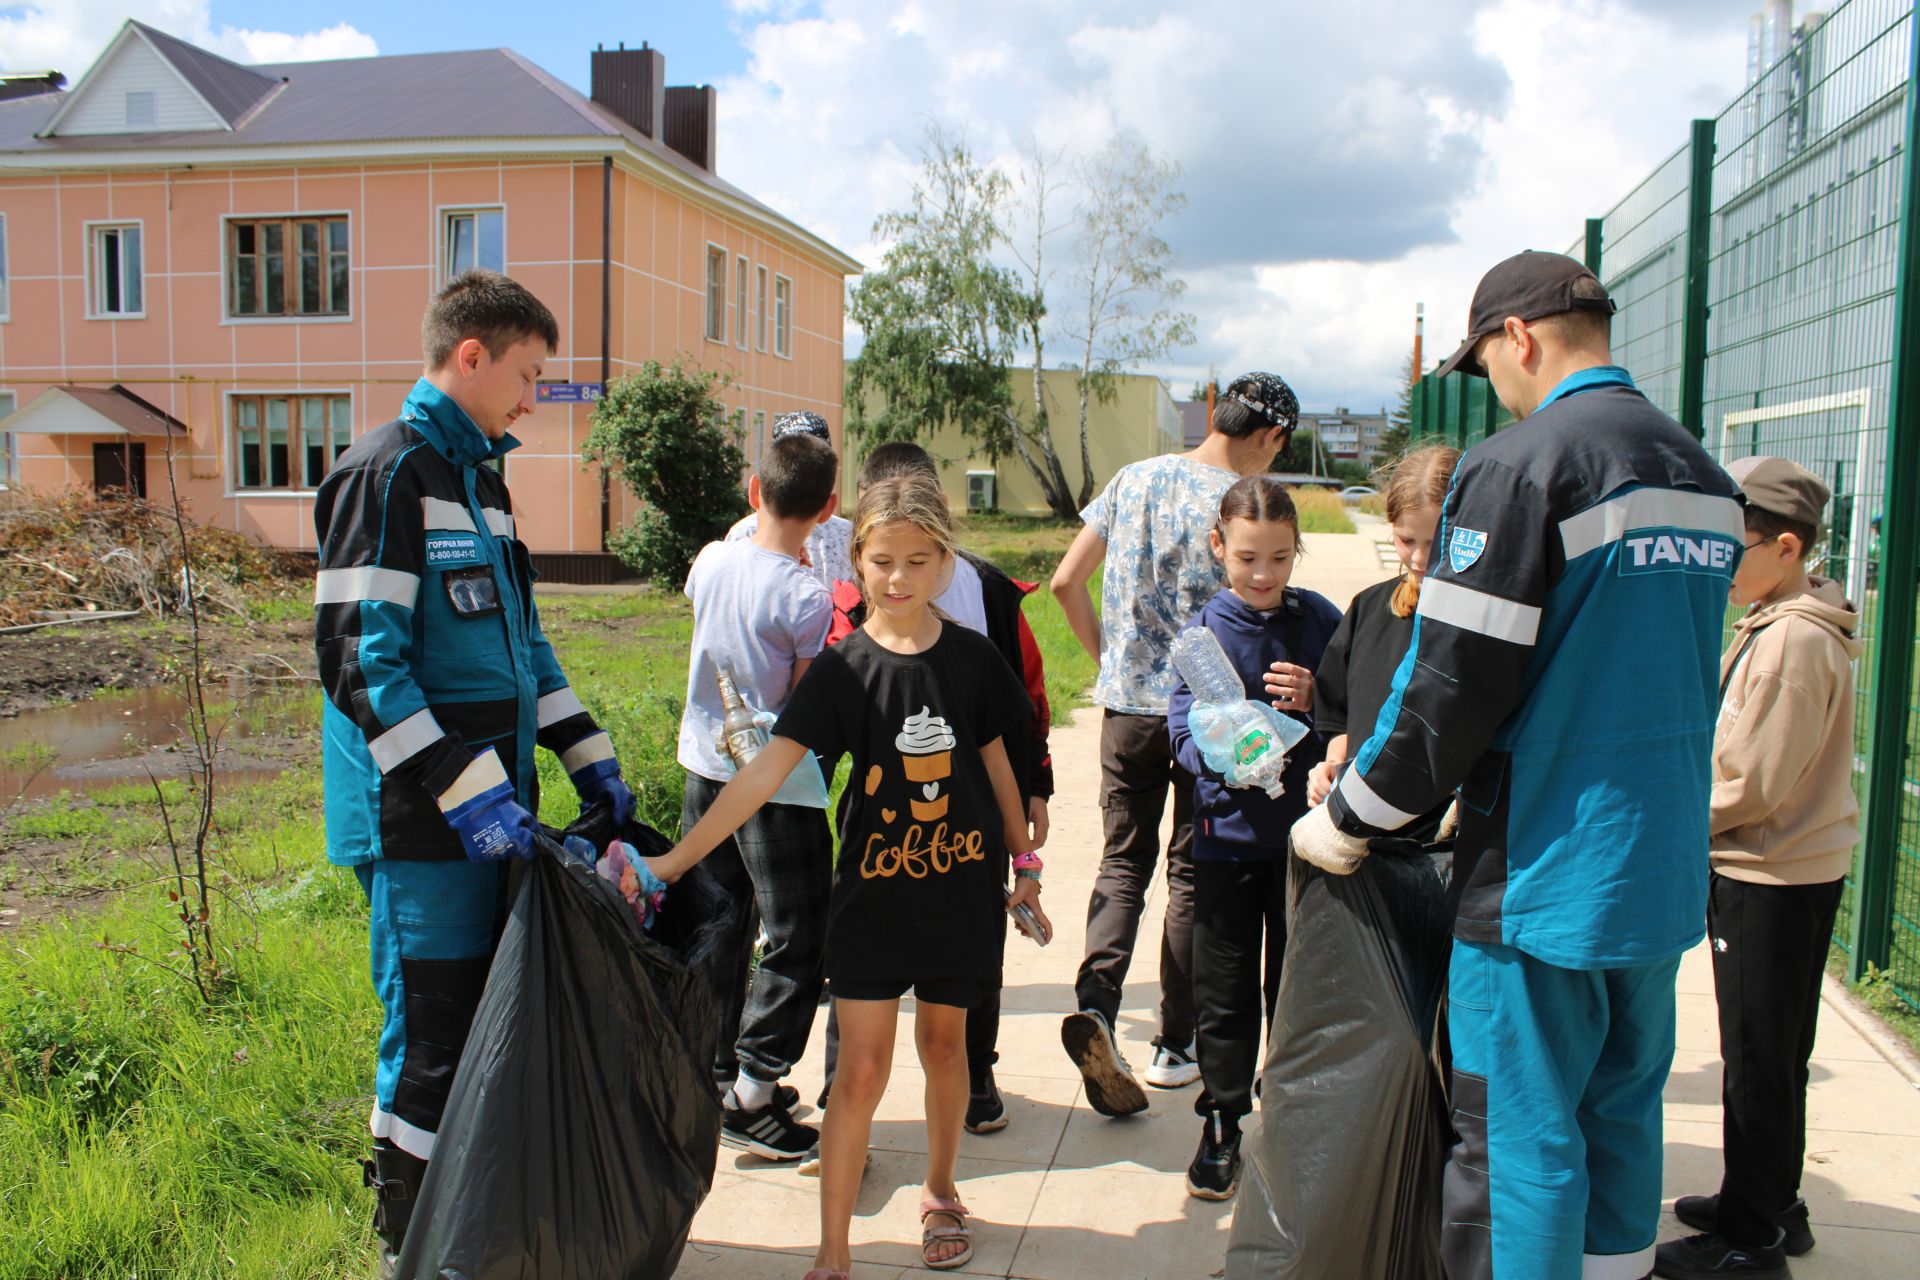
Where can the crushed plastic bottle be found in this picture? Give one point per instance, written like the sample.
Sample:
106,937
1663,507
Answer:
1244,741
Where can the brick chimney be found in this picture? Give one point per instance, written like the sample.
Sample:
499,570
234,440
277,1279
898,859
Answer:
693,123
632,83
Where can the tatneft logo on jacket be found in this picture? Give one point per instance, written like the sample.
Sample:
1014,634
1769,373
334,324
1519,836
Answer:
1678,551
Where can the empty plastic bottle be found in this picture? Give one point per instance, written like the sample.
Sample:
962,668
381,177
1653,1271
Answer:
1244,741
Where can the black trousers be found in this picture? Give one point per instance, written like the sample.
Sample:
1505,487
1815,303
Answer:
1769,952
1239,930
1137,769
780,860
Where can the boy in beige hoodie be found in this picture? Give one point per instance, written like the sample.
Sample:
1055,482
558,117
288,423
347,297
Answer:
1785,822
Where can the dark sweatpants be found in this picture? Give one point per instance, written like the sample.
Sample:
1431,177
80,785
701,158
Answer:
780,860
1769,952
1136,770
1239,931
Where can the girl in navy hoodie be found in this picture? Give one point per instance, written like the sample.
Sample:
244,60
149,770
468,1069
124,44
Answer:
1273,635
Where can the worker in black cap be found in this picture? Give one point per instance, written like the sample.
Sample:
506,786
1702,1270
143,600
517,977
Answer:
1562,678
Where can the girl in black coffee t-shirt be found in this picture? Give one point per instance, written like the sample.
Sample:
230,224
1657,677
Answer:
928,826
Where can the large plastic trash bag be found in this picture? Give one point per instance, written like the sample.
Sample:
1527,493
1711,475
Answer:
1342,1177
583,1126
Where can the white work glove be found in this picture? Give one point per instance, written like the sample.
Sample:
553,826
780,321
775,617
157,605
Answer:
1318,841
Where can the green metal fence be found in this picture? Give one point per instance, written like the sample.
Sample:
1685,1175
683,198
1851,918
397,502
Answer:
1768,280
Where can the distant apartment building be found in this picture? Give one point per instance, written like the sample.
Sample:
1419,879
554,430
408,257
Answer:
1349,436
1140,420
238,257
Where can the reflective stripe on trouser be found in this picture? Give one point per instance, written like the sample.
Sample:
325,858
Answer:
431,933
1557,1076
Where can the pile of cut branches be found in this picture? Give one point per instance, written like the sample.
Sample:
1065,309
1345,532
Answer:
81,551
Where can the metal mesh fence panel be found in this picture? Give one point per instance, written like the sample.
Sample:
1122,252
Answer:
1644,266
1804,245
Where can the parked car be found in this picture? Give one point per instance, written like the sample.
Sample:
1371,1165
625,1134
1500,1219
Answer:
1354,494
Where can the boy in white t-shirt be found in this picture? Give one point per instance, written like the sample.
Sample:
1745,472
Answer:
761,616
832,538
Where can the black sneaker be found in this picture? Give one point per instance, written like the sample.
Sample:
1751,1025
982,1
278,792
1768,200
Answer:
1215,1171
985,1112
785,1096
1702,1213
1111,1088
769,1132
1704,1257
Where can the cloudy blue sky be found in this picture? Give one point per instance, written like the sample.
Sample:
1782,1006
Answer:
1343,160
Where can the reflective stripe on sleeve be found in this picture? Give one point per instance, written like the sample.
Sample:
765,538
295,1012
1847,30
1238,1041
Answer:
557,706
589,750
1365,804
408,738
367,582
414,1141
1489,615
499,523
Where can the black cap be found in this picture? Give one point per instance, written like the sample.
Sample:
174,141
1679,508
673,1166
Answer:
1532,286
1268,395
801,423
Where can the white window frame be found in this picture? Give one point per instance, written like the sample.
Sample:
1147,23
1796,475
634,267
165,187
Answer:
223,248
6,288
230,434
9,460
447,213
96,286
762,297
740,301
716,294
783,317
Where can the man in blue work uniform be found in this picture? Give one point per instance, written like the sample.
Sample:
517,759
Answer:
1562,677
439,684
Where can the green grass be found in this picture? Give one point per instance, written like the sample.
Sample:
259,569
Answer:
144,1135
1029,548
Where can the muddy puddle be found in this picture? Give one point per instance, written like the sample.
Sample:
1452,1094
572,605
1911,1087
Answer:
122,737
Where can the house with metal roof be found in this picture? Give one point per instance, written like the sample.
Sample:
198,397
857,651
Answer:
247,251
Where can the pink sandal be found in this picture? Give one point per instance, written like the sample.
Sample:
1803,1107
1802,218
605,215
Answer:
930,1235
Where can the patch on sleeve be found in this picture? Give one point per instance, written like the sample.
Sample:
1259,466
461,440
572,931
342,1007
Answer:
1464,548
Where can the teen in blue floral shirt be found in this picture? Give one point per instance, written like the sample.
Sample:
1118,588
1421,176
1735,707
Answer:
1150,527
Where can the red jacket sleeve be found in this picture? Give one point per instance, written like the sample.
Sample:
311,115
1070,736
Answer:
1033,670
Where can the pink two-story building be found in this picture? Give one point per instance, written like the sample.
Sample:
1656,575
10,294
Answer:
237,258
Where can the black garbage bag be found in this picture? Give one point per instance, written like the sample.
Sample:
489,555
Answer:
1342,1177
583,1126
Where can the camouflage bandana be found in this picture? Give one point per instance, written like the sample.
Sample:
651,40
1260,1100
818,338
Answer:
1267,395
801,423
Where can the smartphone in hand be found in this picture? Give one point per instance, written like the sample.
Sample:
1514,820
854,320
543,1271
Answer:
1027,922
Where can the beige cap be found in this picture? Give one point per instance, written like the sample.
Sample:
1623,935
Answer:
1781,487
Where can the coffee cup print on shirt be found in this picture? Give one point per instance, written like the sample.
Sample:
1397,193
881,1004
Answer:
926,748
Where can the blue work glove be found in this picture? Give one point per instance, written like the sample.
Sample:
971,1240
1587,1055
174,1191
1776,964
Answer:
601,780
480,808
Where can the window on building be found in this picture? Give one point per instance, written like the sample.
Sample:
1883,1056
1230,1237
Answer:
5,305
289,441
476,238
140,108
760,309
759,431
740,303
782,316
716,293
116,271
287,267
739,425
9,460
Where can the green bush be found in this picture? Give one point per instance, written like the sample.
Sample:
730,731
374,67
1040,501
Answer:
661,430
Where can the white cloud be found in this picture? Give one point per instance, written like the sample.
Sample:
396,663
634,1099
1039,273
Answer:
1343,161
67,35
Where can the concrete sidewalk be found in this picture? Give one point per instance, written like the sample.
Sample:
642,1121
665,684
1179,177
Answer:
1065,1194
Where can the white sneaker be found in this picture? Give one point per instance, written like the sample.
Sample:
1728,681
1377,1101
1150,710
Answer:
1171,1068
